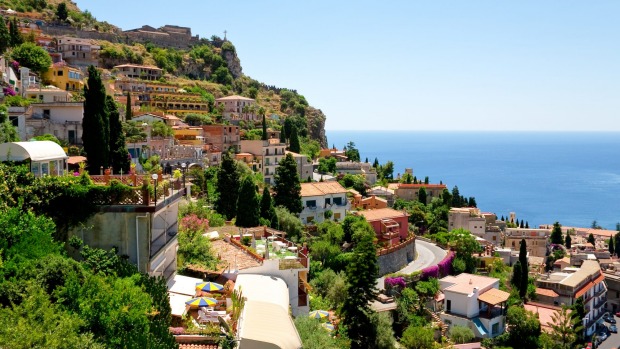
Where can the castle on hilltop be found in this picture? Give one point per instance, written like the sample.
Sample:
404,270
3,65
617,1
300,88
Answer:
166,36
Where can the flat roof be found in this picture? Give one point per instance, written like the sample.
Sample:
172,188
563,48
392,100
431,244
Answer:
588,268
321,188
464,283
183,285
177,303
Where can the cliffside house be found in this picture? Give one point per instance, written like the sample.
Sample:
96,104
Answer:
54,112
135,71
222,137
390,225
475,302
65,77
481,224
78,52
358,168
236,108
319,197
270,152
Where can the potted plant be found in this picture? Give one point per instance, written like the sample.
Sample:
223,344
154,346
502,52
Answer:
176,174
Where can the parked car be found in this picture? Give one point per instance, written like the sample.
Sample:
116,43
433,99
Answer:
602,336
618,313
609,318
613,329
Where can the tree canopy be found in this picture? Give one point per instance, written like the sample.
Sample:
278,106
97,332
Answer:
32,56
96,126
287,188
227,187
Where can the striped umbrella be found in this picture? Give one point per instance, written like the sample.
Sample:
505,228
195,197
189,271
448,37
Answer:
201,302
318,314
328,326
209,286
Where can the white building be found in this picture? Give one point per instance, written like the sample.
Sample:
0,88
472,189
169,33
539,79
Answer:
45,158
304,166
320,197
269,153
363,168
475,302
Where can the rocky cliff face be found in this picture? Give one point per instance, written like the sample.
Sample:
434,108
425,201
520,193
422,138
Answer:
316,125
233,62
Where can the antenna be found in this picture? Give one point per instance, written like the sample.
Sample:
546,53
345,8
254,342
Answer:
225,34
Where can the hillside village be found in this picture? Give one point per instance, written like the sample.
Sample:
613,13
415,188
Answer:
214,215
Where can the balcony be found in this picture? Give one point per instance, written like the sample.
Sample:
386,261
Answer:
161,238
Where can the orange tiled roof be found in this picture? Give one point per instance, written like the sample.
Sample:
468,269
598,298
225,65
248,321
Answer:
546,292
381,213
589,285
233,256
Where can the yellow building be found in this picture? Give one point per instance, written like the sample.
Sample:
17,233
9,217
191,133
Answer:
65,77
188,136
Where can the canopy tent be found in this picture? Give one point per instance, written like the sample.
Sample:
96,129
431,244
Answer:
46,157
265,325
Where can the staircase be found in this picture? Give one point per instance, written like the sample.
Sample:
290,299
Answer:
444,327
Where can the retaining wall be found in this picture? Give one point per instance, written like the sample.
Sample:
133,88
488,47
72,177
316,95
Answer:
397,257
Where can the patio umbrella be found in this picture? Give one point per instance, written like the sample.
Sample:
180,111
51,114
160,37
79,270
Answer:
201,302
209,286
328,326
318,314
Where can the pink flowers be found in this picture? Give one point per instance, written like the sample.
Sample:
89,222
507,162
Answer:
398,281
194,224
8,91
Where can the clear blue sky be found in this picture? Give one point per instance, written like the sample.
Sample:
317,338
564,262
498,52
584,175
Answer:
432,65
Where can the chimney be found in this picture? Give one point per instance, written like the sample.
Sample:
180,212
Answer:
475,291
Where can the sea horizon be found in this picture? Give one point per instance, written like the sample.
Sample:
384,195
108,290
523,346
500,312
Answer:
543,176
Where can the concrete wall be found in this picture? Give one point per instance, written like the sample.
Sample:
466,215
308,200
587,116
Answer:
396,260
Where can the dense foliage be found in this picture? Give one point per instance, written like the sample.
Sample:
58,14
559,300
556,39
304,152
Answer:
96,125
287,188
227,187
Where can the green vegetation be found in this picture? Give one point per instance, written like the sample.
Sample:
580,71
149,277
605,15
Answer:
32,56
287,188
556,234
8,133
96,127
119,155
247,204
227,187
101,302
194,248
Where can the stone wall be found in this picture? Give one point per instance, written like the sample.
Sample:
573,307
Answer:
396,258
82,34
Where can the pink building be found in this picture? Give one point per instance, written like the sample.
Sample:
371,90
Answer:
389,225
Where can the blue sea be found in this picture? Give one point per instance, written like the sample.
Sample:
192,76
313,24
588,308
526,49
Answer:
570,177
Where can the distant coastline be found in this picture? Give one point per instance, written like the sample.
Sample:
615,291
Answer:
569,176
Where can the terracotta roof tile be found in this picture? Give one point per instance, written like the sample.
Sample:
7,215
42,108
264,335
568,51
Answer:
321,188
546,292
381,213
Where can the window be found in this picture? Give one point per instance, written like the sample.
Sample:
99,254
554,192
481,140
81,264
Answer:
337,216
448,305
311,203
61,73
495,328
337,201
328,201
309,220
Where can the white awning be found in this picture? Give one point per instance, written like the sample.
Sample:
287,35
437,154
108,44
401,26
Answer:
184,285
267,326
35,151
177,303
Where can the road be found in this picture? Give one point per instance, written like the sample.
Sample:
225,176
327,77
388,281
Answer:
427,254
613,341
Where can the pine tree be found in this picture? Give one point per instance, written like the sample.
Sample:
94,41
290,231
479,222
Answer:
568,240
248,212
5,37
294,144
266,204
261,111
361,274
524,269
119,155
227,187
62,13
422,195
472,202
128,113
287,188
95,125
556,234
15,37
611,246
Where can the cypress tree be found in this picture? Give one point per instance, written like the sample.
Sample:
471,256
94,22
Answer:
5,37
527,225
517,271
375,163
524,269
426,180
422,195
502,219
617,243
274,222
361,274
287,188
95,125
128,114
517,222
227,187
456,197
611,246
266,204
247,204
591,239
262,112
294,145
556,234
521,225
366,160
119,155
15,37
568,240
282,136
